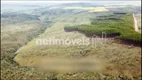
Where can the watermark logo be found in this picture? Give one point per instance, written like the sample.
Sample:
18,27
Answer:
94,41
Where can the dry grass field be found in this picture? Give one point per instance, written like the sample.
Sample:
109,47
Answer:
90,9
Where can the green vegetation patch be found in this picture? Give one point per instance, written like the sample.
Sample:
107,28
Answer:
116,25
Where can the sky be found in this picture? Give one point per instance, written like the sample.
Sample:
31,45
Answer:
72,1
61,1
6,5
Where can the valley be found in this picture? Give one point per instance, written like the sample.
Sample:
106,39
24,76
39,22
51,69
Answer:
22,59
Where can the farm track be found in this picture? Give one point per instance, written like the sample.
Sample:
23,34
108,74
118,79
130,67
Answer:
135,23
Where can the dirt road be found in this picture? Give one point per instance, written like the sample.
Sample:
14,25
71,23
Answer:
135,23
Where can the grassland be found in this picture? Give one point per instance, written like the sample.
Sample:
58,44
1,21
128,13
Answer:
109,53
19,52
16,32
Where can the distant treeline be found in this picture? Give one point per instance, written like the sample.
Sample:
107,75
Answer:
18,15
